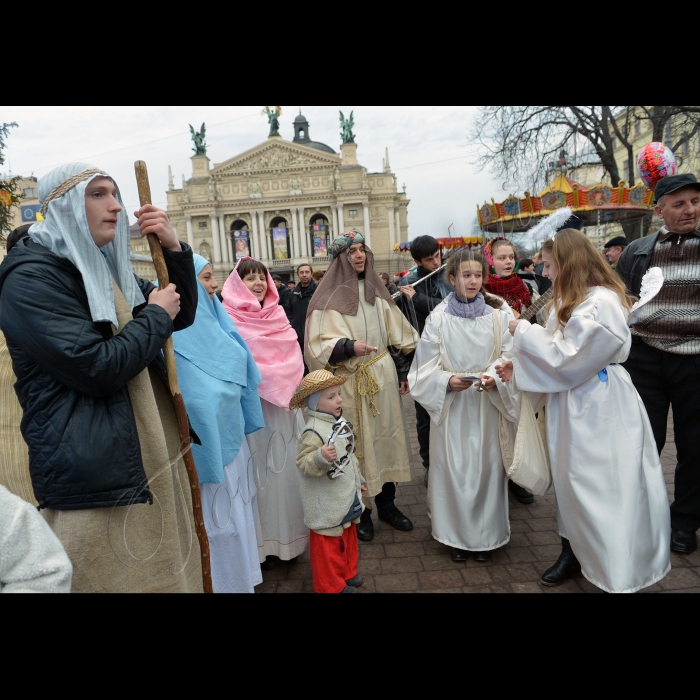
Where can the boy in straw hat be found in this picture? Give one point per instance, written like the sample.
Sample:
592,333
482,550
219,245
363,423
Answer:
331,484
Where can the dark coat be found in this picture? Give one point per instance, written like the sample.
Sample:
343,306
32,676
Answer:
297,305
428,295
284,298
543,283
634,262
72,375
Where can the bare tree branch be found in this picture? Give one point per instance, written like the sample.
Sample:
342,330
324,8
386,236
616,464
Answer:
517,143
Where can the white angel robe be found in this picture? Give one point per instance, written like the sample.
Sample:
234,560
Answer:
611,496
468,486
280,514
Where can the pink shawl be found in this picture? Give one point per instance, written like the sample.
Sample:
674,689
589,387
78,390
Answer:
271,340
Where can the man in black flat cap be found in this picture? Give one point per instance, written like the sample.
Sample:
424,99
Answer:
664,360
614,249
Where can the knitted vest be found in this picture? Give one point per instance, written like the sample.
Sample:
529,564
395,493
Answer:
671,320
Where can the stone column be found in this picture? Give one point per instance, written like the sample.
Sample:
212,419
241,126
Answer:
392,227
215,237
267,244
341,220
296,251
365,208
255,246
303,235
190,233
225,254
398,225
335,233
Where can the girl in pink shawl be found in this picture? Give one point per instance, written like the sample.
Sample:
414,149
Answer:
252,301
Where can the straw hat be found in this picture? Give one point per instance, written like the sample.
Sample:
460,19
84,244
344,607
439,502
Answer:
313,382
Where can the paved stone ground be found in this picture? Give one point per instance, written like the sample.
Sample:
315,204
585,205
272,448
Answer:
412,562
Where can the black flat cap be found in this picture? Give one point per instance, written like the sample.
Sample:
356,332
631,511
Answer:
618,240
672,183
276,278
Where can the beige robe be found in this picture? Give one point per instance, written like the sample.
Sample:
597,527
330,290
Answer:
14,456
383,449
140,548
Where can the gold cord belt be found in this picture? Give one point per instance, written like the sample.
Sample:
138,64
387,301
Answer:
365,385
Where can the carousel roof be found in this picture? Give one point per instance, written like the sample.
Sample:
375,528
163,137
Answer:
445,243
597,204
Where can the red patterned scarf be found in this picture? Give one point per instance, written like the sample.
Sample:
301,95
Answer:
513,290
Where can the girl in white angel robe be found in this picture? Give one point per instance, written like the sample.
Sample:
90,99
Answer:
612,505
465,336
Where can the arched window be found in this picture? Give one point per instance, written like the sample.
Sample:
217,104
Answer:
319,234
281,245
241,240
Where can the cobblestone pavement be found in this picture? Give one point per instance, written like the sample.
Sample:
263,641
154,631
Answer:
413,562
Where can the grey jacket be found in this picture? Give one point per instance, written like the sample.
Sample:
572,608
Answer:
326,501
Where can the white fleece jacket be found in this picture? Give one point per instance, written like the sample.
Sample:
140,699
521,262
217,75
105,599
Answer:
32,560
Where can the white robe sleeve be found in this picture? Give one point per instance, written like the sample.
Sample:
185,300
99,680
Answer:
427,380
505,395
595,336
32,560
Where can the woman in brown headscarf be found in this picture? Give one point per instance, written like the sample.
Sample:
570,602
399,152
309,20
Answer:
354,328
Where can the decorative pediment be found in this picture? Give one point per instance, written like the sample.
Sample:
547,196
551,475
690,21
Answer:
276,155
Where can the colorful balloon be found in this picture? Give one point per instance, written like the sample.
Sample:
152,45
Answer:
655,162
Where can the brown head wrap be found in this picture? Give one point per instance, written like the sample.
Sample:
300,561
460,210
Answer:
339,289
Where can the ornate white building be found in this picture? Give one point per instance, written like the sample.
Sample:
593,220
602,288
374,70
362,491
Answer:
285,202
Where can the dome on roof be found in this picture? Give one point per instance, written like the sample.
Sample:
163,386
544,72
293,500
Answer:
301,135
319,146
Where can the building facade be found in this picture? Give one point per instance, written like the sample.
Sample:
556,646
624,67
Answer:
26,212
283,202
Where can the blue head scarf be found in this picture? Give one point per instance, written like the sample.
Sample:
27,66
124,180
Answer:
65,233
218,379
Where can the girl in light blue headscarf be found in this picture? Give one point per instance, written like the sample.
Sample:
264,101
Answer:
219,379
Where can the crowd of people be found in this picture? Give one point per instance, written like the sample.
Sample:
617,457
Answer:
293,395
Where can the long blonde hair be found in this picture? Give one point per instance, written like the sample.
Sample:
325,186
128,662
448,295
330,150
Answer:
579,266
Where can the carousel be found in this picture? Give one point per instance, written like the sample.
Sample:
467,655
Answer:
446,244
592,206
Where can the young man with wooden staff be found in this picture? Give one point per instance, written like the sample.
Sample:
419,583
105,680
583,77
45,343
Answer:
85,336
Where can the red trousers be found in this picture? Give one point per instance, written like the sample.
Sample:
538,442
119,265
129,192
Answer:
333,560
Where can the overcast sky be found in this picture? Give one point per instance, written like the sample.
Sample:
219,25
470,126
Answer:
428,149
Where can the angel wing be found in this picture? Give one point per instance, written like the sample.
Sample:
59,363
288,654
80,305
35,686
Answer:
192,131
550,224
342,117
652,282
203,131
352,120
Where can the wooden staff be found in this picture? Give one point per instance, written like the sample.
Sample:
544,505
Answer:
183,424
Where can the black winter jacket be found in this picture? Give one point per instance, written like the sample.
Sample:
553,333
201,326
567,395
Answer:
429,294
297,305
78,422
634,262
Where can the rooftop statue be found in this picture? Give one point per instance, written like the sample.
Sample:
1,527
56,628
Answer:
346,128
273,116
200,145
